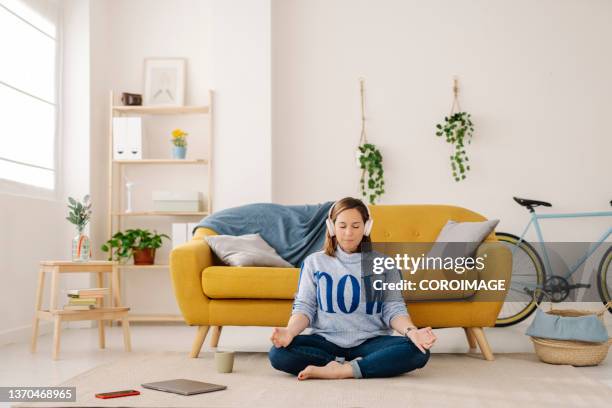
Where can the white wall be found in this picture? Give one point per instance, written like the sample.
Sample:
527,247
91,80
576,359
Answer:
35,229
534,75
98,107
75,128
242,78
29,226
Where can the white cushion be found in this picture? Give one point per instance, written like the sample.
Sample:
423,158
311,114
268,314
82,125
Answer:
245,250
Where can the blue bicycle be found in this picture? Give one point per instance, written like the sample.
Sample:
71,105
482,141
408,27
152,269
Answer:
533,278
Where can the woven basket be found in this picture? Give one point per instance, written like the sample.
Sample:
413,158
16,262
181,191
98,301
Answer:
576,353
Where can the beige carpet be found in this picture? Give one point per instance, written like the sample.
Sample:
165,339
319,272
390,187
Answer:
448,380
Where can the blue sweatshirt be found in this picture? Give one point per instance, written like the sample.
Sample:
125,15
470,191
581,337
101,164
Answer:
332,294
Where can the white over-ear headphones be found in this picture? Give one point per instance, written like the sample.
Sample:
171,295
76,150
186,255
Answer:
330,224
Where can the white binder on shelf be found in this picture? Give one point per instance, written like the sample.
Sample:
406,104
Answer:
179,234
127,138
134,138
119,138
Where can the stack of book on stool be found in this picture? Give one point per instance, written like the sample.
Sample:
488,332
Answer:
85,299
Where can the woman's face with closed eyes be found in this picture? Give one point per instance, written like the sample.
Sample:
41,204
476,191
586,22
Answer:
349,228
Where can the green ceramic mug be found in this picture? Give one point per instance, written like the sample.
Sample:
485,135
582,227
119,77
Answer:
224,361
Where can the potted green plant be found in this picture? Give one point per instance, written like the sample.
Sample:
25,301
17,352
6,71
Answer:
457,129
139,243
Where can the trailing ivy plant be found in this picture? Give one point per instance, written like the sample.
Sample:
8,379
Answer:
372,174
458,129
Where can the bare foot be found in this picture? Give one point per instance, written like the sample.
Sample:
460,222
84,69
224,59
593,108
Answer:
333,370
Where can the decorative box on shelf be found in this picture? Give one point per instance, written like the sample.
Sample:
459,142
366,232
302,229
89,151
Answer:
184,201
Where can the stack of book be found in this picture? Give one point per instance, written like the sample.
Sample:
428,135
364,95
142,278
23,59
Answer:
85,299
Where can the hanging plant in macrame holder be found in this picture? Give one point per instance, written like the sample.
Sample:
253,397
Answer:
370,159
458,129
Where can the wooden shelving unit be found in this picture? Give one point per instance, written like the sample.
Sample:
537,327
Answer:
116,216
156,266
161,161
163,110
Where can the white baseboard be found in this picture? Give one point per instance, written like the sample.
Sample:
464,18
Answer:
23,334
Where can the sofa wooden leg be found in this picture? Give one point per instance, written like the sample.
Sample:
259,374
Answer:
199,340
482,343
214,340
470,338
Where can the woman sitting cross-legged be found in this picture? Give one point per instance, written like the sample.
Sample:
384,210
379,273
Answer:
329,300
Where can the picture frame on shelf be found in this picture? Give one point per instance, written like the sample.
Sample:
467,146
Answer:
164,81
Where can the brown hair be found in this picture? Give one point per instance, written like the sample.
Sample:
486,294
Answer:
346,203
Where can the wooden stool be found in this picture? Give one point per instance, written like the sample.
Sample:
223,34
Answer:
100,313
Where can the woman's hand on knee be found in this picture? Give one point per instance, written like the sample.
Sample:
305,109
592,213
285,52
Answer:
430,338
423,338
281,337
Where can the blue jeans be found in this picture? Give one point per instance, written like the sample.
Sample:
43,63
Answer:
382,356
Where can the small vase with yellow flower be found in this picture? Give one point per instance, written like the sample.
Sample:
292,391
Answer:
179,144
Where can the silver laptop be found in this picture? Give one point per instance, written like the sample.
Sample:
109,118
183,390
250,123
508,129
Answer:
184,387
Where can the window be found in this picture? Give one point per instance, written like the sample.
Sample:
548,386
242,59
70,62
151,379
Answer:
28,92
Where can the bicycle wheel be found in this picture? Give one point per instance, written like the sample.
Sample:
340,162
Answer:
604,278
528,274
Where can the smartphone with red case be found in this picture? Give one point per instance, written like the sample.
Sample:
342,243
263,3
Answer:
117,394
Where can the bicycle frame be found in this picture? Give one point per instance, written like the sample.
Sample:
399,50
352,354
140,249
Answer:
534,220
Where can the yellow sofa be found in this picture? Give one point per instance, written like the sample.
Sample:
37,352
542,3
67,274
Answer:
210,294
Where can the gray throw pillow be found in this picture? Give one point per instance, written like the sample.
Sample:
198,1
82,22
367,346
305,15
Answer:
461,239
245,250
